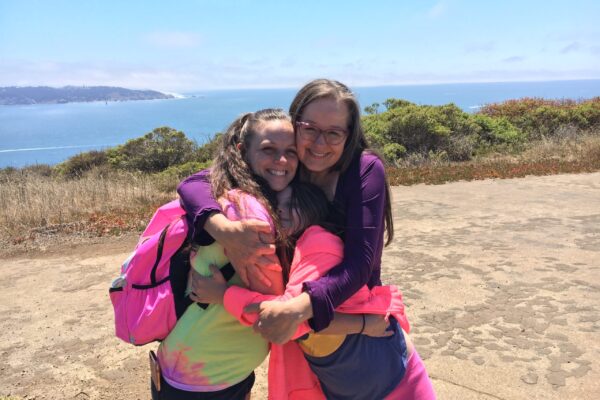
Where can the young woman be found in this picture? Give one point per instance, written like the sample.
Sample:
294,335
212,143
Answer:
209,355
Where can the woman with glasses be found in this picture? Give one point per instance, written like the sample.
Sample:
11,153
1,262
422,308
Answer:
334,155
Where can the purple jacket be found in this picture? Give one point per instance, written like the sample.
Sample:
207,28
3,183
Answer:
360,192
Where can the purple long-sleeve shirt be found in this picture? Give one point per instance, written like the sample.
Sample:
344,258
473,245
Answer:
360,192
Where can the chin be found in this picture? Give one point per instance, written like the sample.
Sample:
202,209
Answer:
278,186
317,167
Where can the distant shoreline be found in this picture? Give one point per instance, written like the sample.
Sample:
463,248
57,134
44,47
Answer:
30,95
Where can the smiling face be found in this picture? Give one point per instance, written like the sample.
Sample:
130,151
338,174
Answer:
271,153
326,113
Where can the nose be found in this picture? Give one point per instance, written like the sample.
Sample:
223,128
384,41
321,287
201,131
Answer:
320,139
281,158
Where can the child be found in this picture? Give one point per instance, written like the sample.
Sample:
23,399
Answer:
209,355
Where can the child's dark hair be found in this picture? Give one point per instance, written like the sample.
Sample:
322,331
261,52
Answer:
311,206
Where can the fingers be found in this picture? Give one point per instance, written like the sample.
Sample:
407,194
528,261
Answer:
217,274
243,273
193,278
265,248
258,225
269,262
266,238
256,327
257,273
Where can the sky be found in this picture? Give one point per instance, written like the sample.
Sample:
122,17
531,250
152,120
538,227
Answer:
186,46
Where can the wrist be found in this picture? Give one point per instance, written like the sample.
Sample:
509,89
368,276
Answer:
217,225
221,296
364,323
302,307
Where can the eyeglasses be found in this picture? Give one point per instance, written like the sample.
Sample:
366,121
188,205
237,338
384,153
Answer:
332,136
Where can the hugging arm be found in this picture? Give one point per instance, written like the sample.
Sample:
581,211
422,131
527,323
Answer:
247,243
363,241
246,304
197,200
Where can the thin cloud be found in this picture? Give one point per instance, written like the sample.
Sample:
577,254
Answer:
173,39
513,59
574,46
240,74
480,47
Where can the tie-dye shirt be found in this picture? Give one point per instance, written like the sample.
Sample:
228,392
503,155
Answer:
209,350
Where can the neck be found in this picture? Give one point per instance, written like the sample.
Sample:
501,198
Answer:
325,180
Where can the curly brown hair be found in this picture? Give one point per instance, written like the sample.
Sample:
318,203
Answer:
231,169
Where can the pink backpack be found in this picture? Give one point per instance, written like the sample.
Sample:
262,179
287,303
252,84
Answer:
149,295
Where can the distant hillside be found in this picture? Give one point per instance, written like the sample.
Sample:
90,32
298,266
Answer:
70,94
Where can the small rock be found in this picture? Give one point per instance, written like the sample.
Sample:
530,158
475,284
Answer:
530,378
478,360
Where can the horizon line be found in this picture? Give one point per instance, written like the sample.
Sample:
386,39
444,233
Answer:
284,87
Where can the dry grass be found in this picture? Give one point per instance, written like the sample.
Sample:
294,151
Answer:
546,157
31,203
34,205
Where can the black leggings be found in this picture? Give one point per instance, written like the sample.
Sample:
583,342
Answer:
235,392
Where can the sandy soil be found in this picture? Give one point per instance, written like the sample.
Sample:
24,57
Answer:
501,279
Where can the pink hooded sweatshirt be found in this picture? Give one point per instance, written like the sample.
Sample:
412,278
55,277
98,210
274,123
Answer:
317,251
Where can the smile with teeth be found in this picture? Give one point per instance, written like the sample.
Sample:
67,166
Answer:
276,172
317,155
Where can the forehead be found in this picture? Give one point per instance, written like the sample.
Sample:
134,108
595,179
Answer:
278,131
327,111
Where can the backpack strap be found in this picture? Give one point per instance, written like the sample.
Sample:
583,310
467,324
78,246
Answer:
159,251
228,272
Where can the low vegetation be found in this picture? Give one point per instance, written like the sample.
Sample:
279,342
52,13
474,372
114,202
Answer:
116,190
408,134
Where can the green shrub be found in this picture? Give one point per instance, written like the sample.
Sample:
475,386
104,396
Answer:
153,152
396,103
206,152
168,179
497,132
372,109
393,151
423,129
375,127
78,164
540,118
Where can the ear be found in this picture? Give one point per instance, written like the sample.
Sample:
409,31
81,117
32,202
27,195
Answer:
239,146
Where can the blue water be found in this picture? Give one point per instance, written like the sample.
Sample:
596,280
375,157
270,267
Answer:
50,133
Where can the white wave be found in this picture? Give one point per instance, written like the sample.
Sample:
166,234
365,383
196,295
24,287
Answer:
53,148
176,95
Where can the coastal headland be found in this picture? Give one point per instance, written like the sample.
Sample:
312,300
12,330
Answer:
72,94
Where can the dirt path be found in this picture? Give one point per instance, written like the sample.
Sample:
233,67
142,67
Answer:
501,279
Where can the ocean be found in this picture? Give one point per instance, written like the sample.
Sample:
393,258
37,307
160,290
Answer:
51,133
